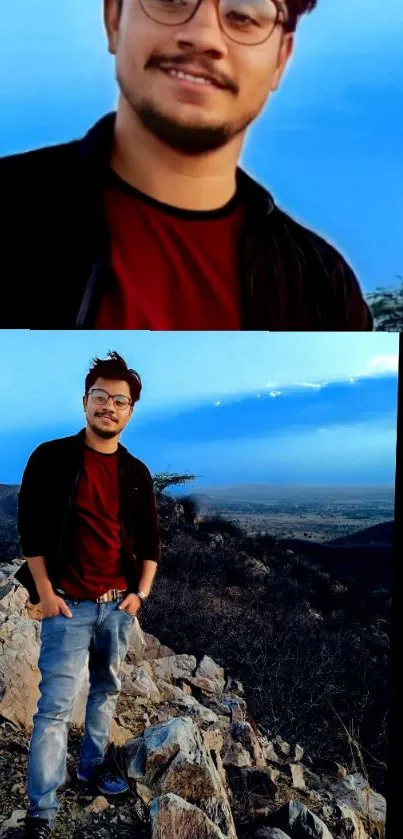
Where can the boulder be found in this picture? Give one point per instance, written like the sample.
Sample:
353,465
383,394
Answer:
254,786
171,758
173,667
168,691
19,650
137,645
270,833
137,680
237,708
154,648
234,686
354,792
204,684
350,823
14,601
298,822
209,669
242,733
172,816
282,747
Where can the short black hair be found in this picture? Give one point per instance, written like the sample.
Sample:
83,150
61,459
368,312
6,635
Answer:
114,367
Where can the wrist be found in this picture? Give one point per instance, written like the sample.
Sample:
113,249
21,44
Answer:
45,590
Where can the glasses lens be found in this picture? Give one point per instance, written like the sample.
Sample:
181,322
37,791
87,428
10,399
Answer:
170,12
121,401
248,21
244,21
99,396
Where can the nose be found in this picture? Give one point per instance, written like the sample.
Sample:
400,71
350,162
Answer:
203,32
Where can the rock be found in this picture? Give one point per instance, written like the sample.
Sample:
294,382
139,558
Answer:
350,823
269,750
242,732
270,833
16,820
119,734
199,713
252,782
174,667
185,687
15,601
137,680
354,792
98,805
234,686
283,747
169,691
296,773
19,650
154,649
212,739
209,669
298,822
327,766
171,758
136,649
237,708
235,755
172,816
298,752
204,684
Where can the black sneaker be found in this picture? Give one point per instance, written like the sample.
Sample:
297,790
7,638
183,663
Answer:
37,828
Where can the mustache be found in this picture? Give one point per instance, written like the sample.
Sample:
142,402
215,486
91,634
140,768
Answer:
199,61
106,415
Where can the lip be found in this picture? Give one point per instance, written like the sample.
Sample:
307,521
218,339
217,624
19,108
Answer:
107,419
213,83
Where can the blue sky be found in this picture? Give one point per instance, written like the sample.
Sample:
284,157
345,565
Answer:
228,407
328,145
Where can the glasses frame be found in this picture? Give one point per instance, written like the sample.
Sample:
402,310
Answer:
111,396
280,6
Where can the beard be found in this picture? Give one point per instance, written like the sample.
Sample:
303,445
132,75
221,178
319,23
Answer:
103,433
185,138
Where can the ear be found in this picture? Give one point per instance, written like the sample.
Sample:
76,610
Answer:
112,12
284,55
85,401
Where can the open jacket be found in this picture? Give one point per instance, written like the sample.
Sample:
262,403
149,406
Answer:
46,512
55,265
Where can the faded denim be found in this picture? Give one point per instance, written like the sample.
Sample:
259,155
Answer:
102,631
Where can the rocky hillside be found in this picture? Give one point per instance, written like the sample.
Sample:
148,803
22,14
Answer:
305,627
198,765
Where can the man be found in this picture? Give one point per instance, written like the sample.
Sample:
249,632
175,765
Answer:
148,222
88,529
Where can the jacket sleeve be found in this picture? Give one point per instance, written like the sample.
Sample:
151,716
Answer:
149,540
32,525
358,315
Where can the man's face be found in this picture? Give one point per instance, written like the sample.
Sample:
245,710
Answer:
107,421
192,118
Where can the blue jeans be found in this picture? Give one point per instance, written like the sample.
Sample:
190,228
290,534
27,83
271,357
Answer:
102,631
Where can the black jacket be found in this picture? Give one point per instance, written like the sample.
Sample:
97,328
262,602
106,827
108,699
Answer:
54,254
46,513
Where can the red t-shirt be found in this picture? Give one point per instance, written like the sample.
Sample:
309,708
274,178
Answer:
96,566
172,268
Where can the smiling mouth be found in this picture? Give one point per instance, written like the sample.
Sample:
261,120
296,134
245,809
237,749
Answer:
190,78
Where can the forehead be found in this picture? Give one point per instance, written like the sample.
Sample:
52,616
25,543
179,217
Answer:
112,386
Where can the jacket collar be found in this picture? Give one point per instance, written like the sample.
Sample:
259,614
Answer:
95,152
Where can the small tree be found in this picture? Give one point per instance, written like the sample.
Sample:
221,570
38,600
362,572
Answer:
162,480
387,307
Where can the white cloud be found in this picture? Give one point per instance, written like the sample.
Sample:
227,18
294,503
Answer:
383,364
216,404
275,393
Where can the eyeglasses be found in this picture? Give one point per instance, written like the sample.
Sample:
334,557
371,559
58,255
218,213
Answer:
243,21
101,397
